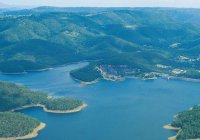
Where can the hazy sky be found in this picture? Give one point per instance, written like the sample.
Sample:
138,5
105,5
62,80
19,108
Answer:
108,3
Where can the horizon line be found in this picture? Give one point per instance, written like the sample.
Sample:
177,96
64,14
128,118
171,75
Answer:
38,6
85,6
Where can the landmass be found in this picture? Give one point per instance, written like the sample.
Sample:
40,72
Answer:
118,42
14,126
186,124
15,97
55,110
121,72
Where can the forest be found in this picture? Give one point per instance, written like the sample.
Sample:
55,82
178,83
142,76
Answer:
16,124
13,96
189,122
32,39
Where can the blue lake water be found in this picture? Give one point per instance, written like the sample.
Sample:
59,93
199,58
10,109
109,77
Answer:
129,110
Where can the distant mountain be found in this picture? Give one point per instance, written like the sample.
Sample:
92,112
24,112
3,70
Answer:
49,9
68,9
77,9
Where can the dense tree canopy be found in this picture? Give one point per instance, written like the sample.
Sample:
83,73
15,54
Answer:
14,96
16,124
189,122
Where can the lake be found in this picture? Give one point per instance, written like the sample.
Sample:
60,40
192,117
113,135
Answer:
133,109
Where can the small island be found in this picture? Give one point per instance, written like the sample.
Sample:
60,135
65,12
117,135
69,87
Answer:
187,124
16,97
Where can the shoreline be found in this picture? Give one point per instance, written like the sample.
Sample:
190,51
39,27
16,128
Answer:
166,76
162,75
88,83
169,127
83,83
43,69
77,109
27,71
30,135
159,75
133,77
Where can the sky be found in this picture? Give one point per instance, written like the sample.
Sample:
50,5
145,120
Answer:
107,3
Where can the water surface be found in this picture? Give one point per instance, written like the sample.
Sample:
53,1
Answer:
130,110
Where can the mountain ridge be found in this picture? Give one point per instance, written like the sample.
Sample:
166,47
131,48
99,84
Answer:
140,38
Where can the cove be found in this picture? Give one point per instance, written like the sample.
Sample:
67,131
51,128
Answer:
133,109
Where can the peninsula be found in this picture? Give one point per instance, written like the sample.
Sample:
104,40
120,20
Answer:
14,97
187,124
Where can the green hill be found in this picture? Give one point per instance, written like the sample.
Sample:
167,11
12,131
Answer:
139,38
14,97
188,122
16,124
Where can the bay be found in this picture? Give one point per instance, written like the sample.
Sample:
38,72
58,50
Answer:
133,109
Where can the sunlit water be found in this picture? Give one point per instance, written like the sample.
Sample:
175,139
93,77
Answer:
129,110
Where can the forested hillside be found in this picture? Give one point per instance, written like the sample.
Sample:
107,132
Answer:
16,124
147,42
15,97
188,122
